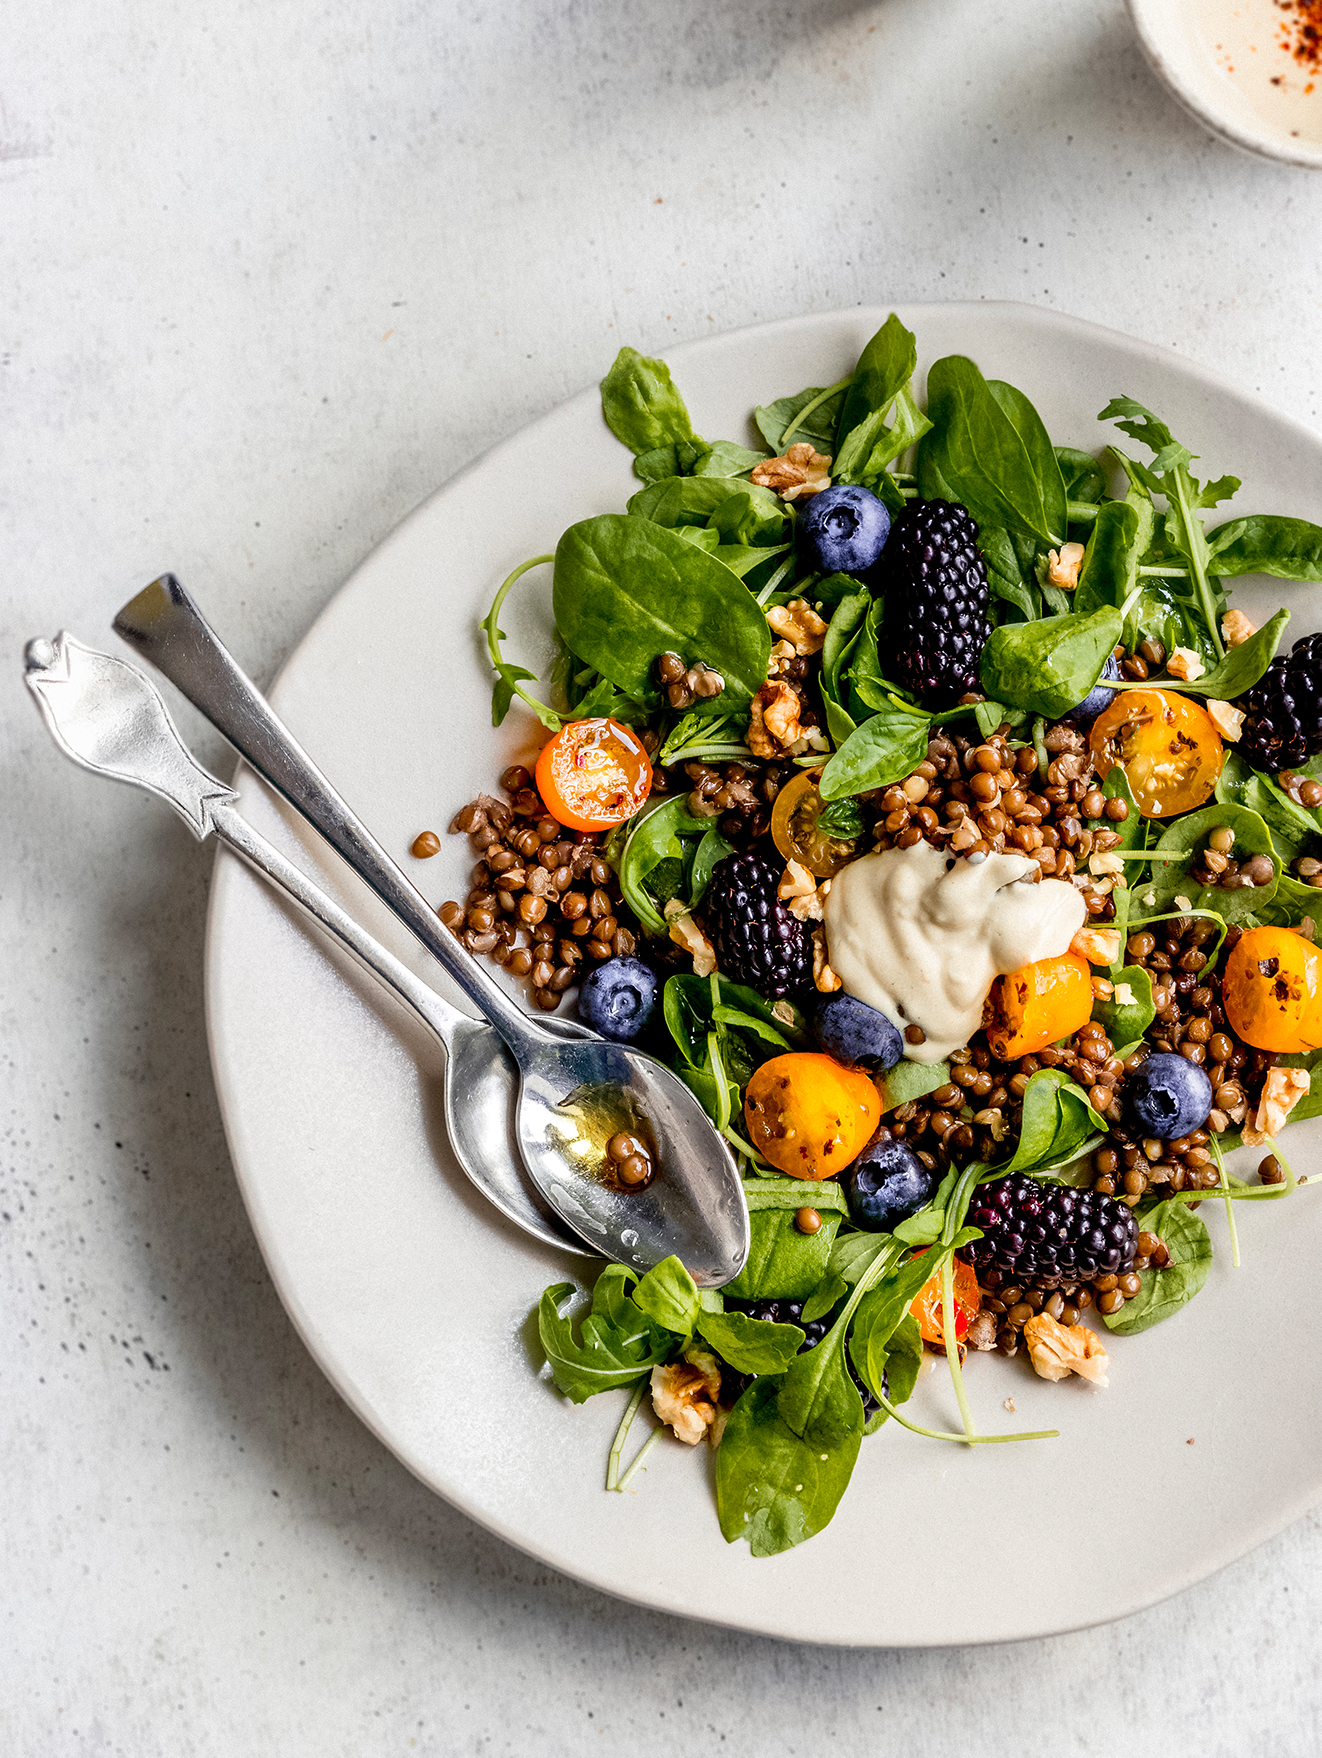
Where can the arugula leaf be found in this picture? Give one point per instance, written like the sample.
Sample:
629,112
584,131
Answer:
772,1487
825,1295
1171,879
1267,544
853,1254
1048,667
1164,1292
881,1310
884,749
641,405
511,677
750,1345
668,1296
627,590
989,451
811,416
1169,474
612,1353
1239,670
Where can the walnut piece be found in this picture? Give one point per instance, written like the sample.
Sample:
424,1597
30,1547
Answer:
1185,663
684,1394
982,1332
823,976
1124,995
782,651
801,472
800,624
1058,1350
773,720
1097,945
1281,1092
1226,718
803,892
685,932
1063,566
1236,628
1099,865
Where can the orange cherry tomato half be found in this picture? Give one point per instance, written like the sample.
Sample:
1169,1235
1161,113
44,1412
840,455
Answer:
1037,1005
809,1116
927,1306
593,775
1272,990
796,833
1167,746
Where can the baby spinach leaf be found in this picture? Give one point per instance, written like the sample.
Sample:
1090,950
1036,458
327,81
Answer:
904,1361
842,818
710,850
877,442
1266,544
668,1296
884,367
1048,667
882,1309
725,458
884,749
772,1487
846,621
641,405
1081,474
1241,667
825,1295
1117,544
989,451
700,536
782,1263
612,1352
791,1194
654,838
817,426
750,516
1293,901
1126,1021
1057,1121
853,1254
1004,576
626,591
912,1080
688,500
1164,1292
676,460
818,1399
741,558
750,1345
1171,879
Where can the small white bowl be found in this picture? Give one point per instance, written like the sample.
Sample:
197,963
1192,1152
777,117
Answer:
1229,62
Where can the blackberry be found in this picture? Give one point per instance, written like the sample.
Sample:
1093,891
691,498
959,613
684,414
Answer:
756,938
936,623
786,1312
1283,710
1050,1233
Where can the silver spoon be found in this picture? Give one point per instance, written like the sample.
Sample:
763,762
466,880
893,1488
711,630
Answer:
574,1093
110,719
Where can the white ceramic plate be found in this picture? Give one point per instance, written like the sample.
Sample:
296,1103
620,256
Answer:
414,1297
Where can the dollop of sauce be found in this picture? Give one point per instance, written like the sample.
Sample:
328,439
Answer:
921,936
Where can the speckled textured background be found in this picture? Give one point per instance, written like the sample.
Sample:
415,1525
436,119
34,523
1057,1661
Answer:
269,274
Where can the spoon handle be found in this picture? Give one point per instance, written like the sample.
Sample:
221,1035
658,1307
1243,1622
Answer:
166,627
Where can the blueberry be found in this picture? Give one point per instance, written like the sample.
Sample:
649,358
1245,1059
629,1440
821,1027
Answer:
844,529
1169,1096
1098,698
886,1184
857,1034
617,998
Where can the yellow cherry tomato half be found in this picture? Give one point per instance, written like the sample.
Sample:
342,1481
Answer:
1037,1005
1272,990
1167,746
927,1306
797,834
809,1116
593,775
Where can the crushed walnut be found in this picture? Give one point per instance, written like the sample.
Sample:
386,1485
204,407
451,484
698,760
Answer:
774,720
799,623
1281,1092
1124,995
1063,566
1185,663
1226,718
823,976
803,892
1236,628
1058,1350
1097,945
684,1394
685,932
801,472
780,653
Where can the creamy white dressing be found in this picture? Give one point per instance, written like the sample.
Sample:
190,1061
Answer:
921,936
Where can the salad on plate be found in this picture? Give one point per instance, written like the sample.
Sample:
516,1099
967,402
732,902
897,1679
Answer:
911,787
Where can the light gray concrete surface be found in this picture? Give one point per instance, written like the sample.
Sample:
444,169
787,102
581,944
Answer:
270,273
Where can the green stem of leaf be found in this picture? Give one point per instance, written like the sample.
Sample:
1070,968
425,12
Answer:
1081,512
1155,573
499,665
774,583
810,408
975,1440
621,1433
948,1331
639,1461
1230,1205
1195,546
